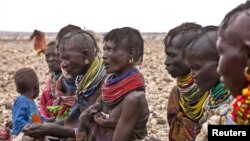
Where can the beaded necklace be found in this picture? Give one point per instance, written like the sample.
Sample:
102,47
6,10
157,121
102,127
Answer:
241,105
218,96
185,81
191,100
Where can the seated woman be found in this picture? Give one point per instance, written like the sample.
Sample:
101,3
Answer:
58,96
202,57
48,95
184,105
65,87
79,61
124,112
233,46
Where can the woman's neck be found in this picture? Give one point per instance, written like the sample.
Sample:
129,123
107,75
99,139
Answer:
124,70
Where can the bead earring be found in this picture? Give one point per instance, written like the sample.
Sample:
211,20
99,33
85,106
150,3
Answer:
86,61
131,61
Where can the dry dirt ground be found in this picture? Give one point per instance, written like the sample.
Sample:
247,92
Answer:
17,52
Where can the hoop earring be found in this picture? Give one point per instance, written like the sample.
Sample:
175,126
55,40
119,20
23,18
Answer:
246,73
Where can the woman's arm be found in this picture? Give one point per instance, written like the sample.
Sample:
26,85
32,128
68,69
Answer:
132,107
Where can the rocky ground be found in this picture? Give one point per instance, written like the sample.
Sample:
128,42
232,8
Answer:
18,52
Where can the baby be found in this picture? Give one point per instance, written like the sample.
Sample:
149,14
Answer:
24,110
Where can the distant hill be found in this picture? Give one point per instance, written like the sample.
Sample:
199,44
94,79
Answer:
10,35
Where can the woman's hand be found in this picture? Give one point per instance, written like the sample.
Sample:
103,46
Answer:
38,130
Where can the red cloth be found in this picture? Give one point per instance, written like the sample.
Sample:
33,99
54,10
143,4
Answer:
58,98
46,100
114,92
62,98
4,134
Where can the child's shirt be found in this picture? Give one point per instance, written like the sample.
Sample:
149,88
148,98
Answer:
22,113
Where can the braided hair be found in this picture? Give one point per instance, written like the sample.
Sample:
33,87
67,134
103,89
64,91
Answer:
63,31
84,34
188,32
51,43
208,32
133,39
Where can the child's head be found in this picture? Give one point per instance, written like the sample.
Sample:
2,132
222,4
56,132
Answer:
26,82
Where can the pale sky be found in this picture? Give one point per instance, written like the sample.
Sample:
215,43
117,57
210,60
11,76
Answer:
104,15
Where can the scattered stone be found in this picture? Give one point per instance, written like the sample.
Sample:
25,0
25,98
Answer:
161,121
18,52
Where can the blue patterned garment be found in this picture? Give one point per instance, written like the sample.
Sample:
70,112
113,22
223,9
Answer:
22,113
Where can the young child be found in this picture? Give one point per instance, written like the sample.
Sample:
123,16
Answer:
24,109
